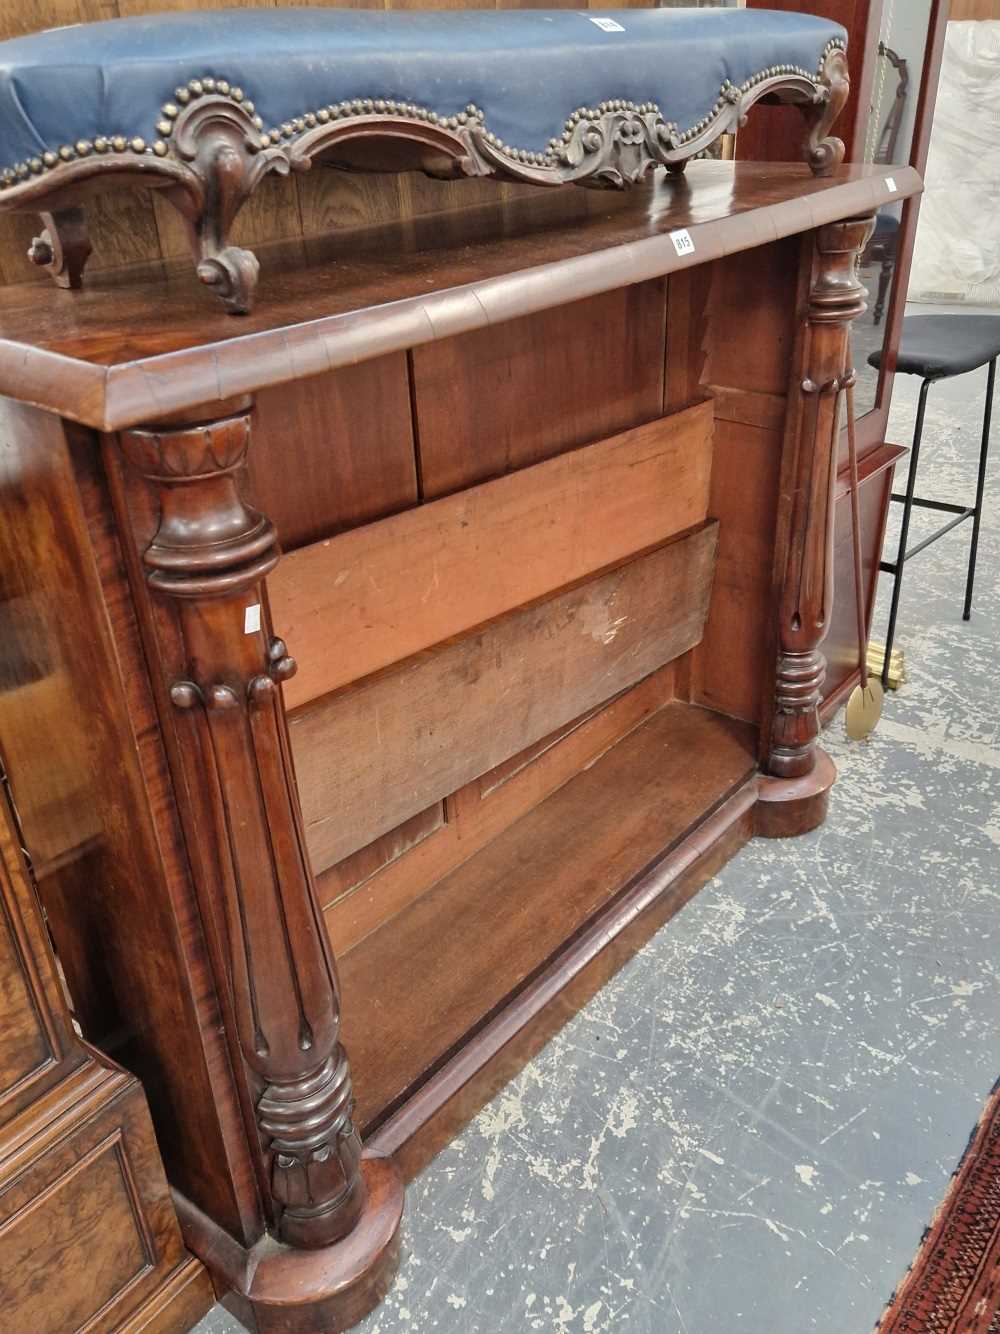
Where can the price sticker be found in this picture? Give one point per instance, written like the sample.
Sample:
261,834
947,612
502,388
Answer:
606,25
891,185
251,619
683,243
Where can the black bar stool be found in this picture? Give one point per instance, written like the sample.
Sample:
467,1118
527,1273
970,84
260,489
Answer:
936,347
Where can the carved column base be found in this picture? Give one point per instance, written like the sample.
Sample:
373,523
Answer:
276,1289
787,807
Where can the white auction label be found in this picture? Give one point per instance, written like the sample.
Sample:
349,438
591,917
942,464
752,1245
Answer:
891,185
251,619
683,243
606,25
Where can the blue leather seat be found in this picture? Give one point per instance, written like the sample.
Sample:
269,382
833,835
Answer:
113,84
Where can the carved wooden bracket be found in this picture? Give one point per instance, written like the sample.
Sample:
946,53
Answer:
275,971
806,579
63,246
824,152
212,151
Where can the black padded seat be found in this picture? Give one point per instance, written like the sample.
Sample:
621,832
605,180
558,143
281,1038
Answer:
935,346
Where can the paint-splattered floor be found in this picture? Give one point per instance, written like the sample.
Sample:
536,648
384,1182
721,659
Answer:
750,1126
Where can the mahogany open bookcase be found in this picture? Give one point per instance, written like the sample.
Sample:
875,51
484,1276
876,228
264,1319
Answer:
552,488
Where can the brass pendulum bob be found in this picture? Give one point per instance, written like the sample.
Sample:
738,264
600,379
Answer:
864,708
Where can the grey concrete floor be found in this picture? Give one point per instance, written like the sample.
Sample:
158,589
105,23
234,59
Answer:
750,1126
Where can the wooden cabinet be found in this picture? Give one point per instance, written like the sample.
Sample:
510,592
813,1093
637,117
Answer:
88,1236
421,642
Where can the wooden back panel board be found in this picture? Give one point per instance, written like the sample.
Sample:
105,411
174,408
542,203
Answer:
365,599
373,886
351,466
747,377
507,396
511,414
378,752
510,503
395,437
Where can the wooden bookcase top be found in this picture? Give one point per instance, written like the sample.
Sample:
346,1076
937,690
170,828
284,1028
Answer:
139,344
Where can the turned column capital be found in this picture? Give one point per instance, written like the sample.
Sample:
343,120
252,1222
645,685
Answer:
210,542
837,295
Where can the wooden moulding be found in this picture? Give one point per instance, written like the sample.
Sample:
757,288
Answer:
400,287
376,753
372,596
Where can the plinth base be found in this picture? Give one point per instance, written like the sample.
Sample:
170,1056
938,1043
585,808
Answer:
790,806
276,1289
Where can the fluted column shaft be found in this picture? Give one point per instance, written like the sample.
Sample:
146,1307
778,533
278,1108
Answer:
805,577
275,973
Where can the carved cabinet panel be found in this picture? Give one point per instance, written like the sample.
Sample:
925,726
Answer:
88,1237
36,1049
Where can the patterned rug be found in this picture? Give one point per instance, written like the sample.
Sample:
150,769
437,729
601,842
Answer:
953,1285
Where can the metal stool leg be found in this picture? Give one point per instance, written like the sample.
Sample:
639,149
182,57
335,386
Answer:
897,573
980,488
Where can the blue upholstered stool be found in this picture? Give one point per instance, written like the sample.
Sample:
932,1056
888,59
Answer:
202,106
935,347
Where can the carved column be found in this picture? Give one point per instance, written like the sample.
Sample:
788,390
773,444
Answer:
275,974
211,553
804,569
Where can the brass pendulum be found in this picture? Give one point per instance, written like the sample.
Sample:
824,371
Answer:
864,708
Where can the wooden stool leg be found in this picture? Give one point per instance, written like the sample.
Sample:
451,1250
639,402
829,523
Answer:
274,972
804,545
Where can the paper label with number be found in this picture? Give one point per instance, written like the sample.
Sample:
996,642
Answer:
607,25
683,243
251,619
891,185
